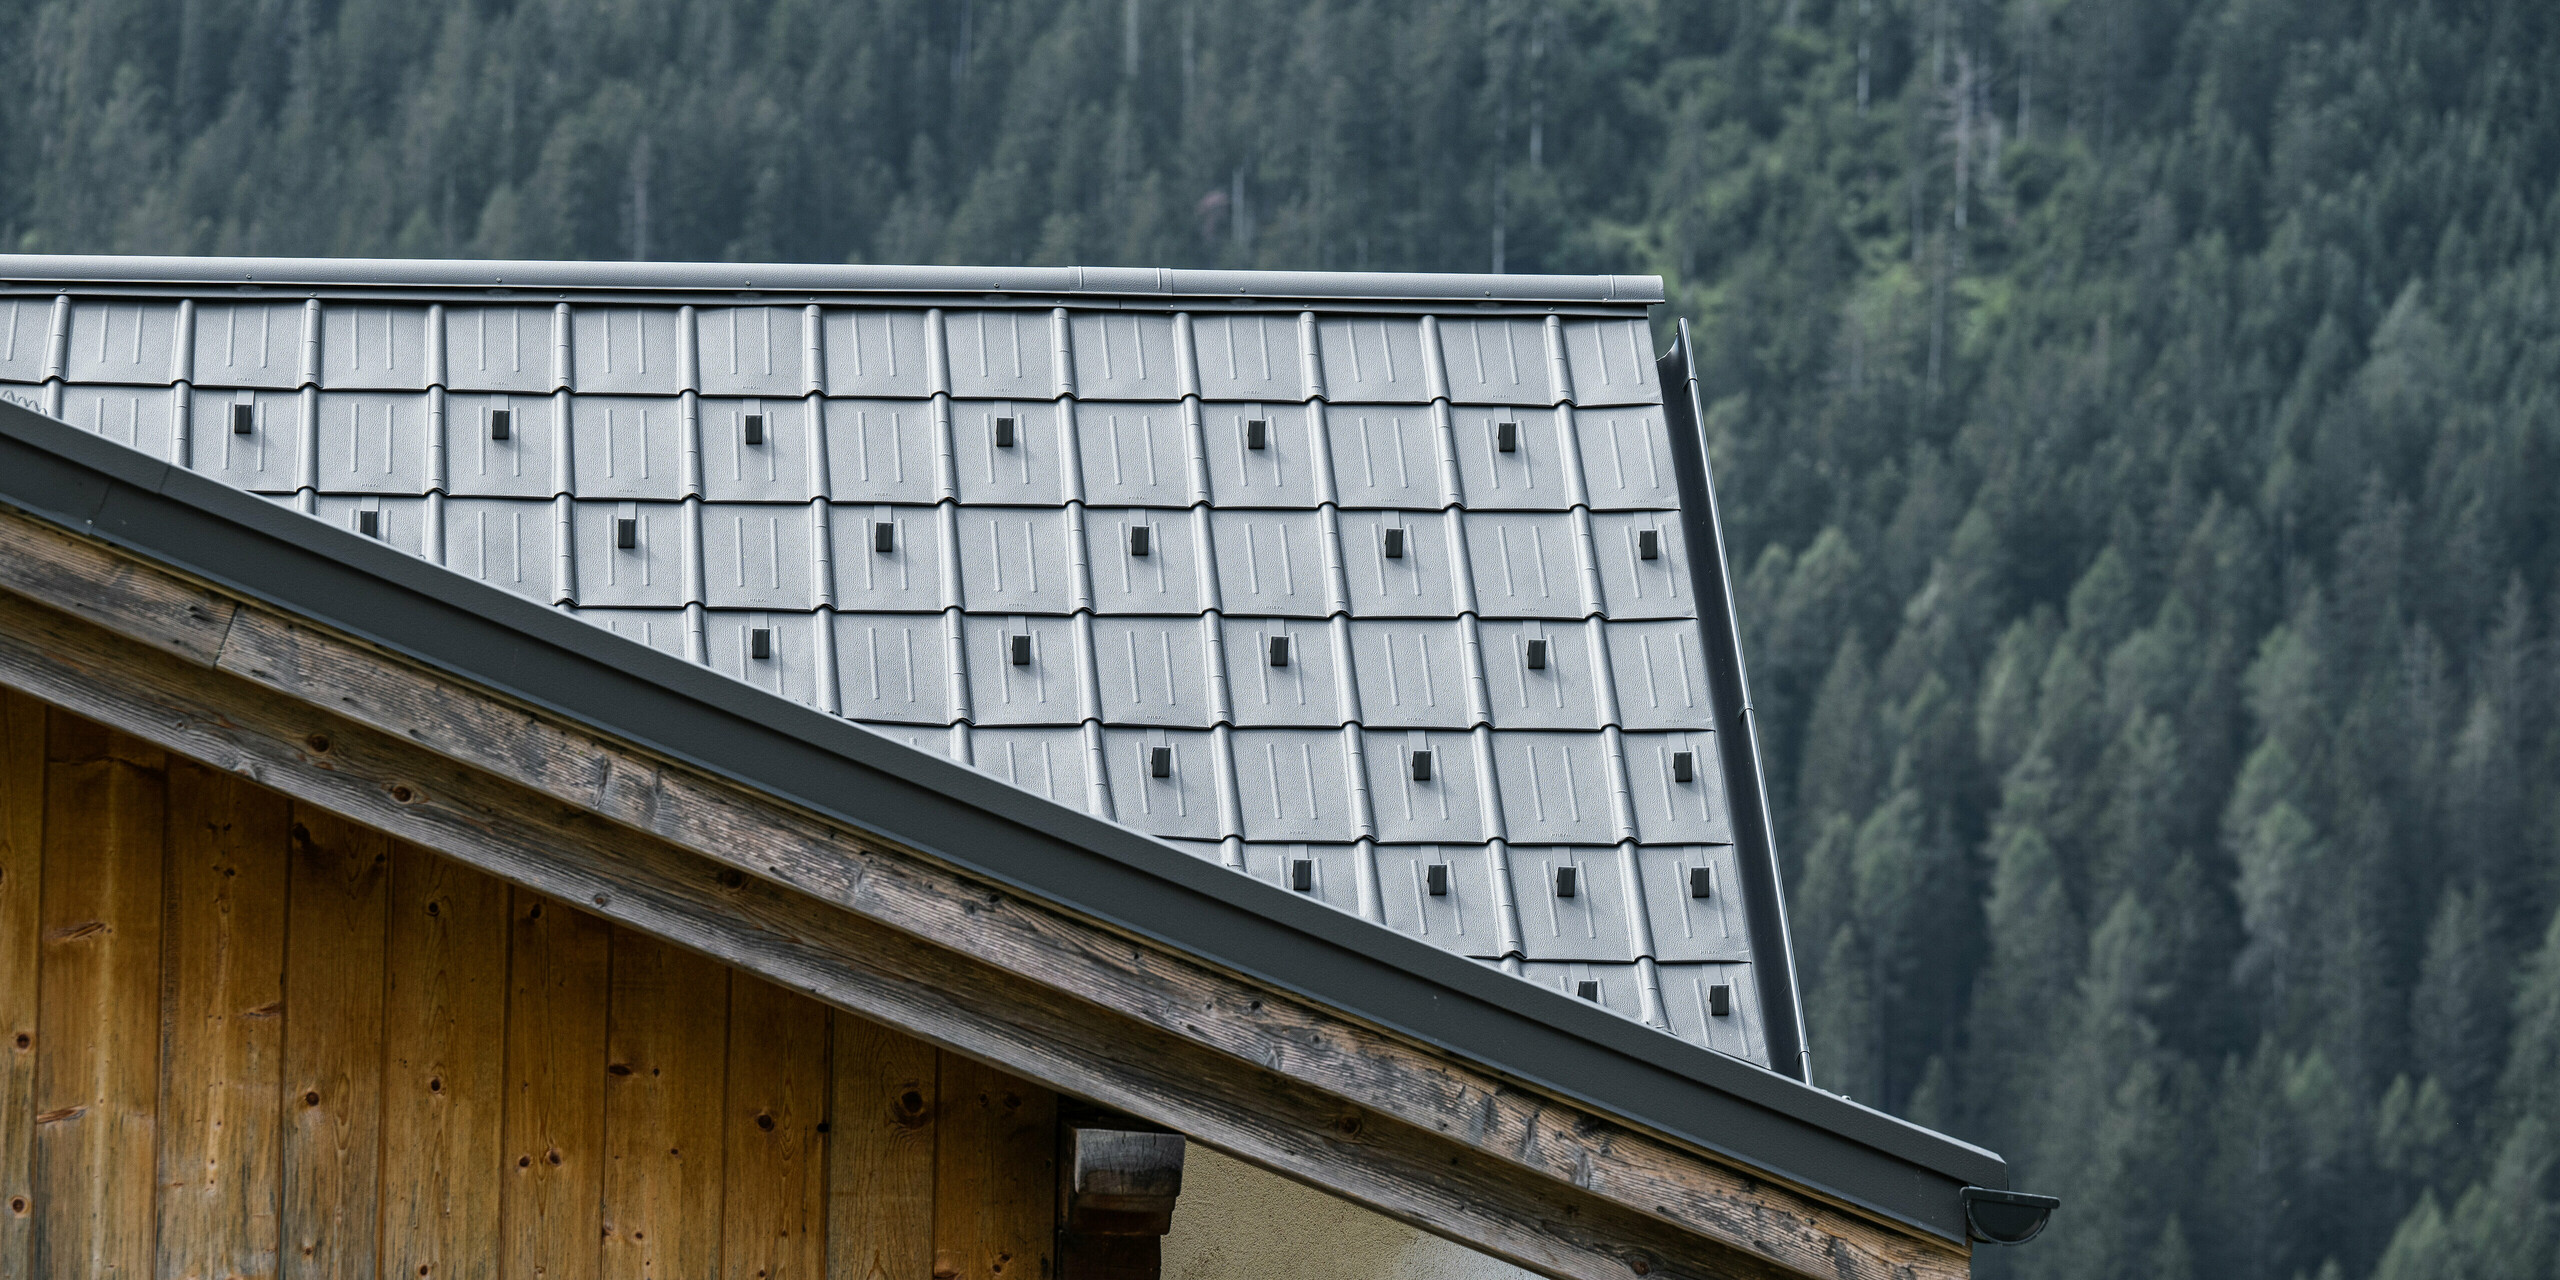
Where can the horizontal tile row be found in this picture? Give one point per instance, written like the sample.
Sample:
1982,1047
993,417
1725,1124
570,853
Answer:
1443,894
1016,560
876,450
791,350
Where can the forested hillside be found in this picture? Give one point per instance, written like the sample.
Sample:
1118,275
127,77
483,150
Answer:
2138,422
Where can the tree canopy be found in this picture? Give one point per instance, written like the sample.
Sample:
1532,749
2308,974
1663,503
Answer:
2137,422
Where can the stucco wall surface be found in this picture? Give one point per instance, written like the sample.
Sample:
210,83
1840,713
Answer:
1236,1222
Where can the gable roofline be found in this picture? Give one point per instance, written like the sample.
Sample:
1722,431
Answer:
839,770
1089,286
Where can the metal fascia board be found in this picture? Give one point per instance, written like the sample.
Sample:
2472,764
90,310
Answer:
1095,282
1773,945
492,638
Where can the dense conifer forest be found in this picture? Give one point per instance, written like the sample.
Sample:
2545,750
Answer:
2138,423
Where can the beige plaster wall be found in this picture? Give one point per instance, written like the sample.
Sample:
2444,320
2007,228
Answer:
1236,1222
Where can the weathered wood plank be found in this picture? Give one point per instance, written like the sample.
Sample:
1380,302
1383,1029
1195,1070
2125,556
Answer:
21,878
665,1074
223,941
444,1062
1576,1175
880,1141
775,1219
81,578
98,1023
558,983
995,1191
335,935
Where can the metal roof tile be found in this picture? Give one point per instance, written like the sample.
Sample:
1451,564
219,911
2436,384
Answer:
373,442
120,342
1626,462
1620,989
26,333
1039,691
1559,694
1014,560
752,351
1410,674
1669,811
1460,917
395,522
1386,456
1124,355
757,557
1291,784
1270,563
1529,477
1686,998
1612,362
882,450
506,348
1593,923
478,463
509,543
875,352
1134,454
1332,871
1633,586
1447,806
647,574
1689,925
373,348
1249,357
789,667
1152,671
248,344
1421,582
630,350
1661,670
774,468
1001,354
1554,787
1183,803
626,446
260,460
1281,473
1300,691
1524,566
906,577
1164,580
893,667
1373,359
1044,762
1496,361
1025,471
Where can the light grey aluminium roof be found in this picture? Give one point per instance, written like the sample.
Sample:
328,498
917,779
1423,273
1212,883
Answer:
1376,587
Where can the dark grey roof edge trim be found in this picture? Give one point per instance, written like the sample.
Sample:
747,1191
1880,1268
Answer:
1772,942
492,638
732,278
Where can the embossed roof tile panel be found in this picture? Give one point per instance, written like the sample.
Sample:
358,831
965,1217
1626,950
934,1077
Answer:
499,349
1383,587
114,341
894,667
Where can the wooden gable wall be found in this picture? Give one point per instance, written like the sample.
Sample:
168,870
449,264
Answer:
245,1037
